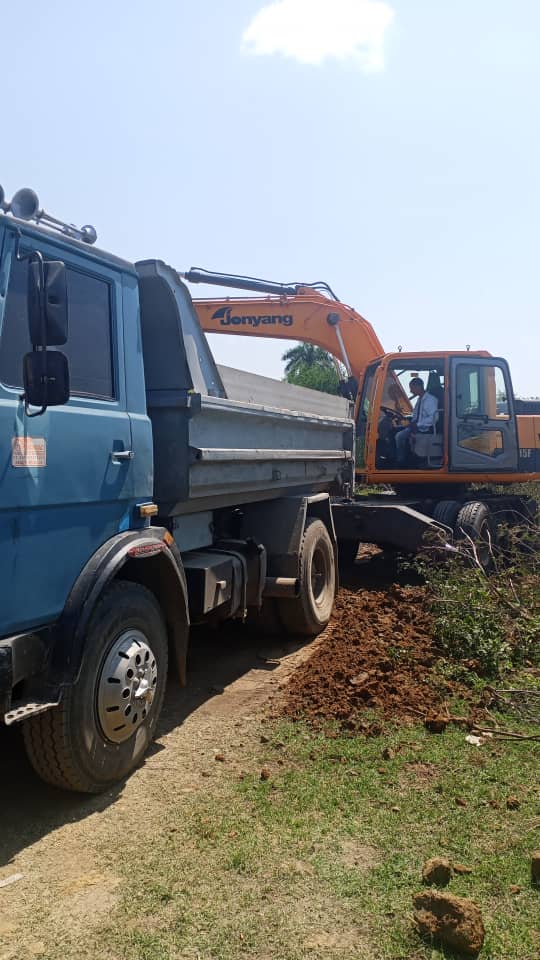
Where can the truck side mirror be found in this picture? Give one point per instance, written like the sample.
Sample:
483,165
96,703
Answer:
51,327
46,380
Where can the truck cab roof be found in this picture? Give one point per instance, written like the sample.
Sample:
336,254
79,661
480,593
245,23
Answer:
62,240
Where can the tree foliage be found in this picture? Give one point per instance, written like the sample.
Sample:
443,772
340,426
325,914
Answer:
309,366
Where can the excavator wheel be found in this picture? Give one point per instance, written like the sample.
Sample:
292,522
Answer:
475,522
446,512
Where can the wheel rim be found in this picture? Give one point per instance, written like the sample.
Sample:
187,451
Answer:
319,575
126,686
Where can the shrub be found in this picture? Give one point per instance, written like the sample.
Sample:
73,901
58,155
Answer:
491,619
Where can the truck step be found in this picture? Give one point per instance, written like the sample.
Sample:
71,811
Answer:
29,708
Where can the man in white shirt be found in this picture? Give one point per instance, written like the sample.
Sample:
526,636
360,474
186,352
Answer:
422,419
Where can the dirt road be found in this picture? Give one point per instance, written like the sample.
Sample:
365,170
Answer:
65,851
63,846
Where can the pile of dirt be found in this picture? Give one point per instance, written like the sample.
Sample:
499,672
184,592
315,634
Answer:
452,921
377,654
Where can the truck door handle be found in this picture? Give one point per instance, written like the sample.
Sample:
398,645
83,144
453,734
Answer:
118,456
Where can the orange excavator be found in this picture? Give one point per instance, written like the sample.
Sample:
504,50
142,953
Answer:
476,431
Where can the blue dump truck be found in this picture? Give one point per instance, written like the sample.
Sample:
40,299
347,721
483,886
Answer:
142,489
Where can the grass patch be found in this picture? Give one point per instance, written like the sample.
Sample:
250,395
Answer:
322,859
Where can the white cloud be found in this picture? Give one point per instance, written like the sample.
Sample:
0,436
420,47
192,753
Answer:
312,31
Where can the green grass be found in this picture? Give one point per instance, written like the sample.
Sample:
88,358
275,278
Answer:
322,859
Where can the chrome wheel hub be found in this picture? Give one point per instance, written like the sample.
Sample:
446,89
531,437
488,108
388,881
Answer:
126,686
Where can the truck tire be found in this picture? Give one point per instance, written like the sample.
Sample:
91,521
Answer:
446,511
474,520
308,614
103,726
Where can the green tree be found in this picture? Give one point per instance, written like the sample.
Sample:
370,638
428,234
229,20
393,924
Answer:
309,366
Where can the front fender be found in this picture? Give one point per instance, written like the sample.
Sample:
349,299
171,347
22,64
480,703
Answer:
146,556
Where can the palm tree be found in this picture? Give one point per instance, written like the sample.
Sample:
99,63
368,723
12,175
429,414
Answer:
309,366
305,355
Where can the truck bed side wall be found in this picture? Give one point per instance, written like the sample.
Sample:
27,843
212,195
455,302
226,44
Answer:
211,451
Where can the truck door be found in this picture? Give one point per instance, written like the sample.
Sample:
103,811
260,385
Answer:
483,432
65,476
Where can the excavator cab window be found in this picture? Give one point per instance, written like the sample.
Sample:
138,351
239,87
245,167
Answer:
411,426
365,411
482,428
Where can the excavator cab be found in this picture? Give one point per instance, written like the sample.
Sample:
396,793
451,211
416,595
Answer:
424,446
464,422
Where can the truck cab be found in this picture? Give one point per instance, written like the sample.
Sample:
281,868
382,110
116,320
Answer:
70,478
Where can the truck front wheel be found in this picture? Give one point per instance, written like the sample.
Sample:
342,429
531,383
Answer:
309,613
107,718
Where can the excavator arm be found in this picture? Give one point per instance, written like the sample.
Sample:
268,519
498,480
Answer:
290,312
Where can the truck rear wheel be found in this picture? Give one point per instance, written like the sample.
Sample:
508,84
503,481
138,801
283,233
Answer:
309,613
107,719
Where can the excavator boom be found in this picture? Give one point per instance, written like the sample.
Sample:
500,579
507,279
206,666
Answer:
289,312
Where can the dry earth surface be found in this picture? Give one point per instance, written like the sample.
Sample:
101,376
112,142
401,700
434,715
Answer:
376,655
65,846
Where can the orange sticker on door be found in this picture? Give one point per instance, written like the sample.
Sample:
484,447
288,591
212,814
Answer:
28,452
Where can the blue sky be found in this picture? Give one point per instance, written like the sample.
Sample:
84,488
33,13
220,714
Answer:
392,149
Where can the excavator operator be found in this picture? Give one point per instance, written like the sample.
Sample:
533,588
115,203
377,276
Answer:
421,421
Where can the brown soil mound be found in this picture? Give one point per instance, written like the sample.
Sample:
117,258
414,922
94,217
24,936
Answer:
452,921
438,870
377,654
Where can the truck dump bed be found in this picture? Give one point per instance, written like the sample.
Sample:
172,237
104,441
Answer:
222,437
252,388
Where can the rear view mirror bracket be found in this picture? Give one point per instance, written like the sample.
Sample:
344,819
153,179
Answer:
27,412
